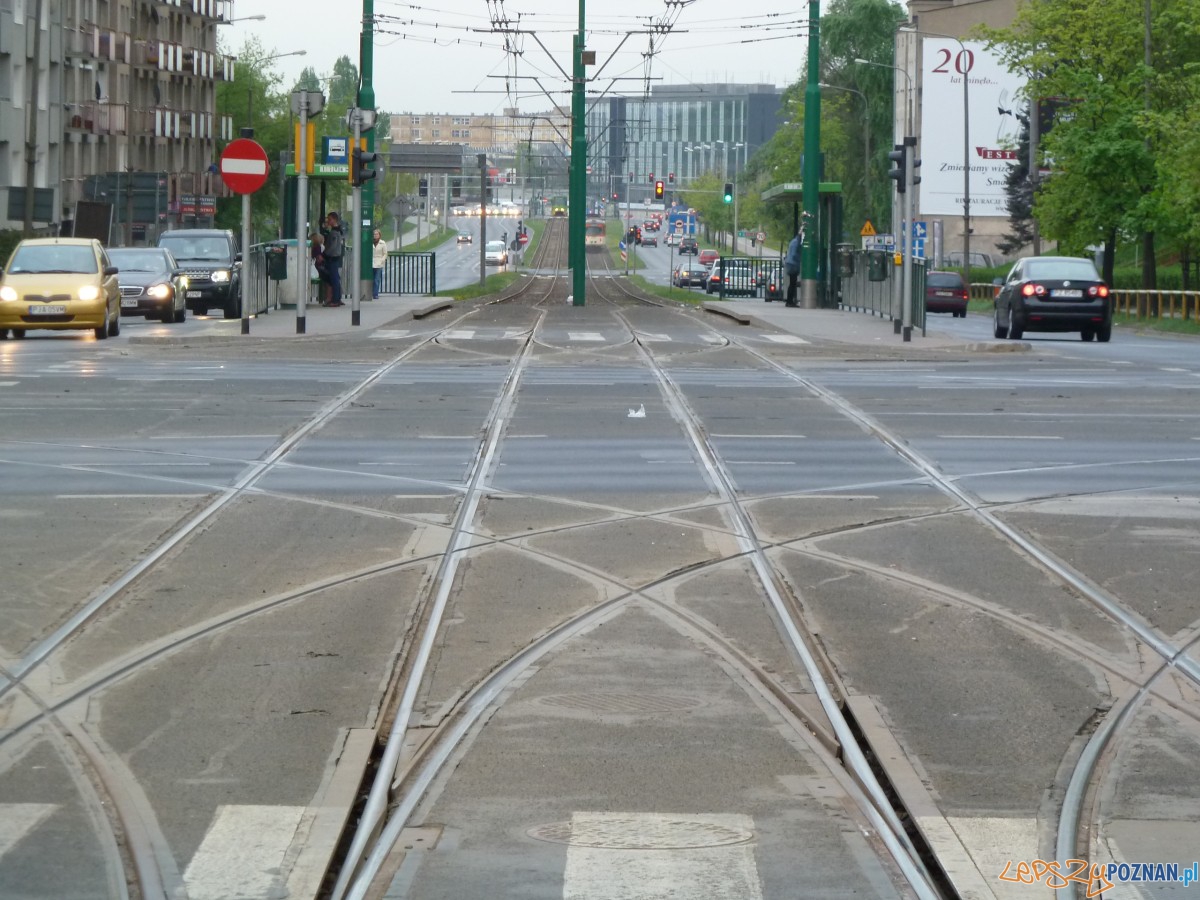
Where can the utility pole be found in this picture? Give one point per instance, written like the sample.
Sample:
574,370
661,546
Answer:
811,177
364,224
31,131
577,199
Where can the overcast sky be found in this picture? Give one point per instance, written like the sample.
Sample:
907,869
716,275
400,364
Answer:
438,58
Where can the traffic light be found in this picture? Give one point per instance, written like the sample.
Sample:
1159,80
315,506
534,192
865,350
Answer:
658,190
423,188
670,177
651,178
360,165
728,192
614,195
897,172
913,162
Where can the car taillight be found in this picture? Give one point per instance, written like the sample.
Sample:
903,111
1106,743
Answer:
1029,290
1098,290
961,295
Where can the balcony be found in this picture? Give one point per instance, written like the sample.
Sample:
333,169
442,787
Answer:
97,117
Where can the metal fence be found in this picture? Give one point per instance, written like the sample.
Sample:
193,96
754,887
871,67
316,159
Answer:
868,284
744,276
275,274
410,273
257,281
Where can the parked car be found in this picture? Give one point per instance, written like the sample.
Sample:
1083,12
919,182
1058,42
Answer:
58,284
688,245
731,278
152,284
495,253
946,292
1053,293
708,257
465,237
212,264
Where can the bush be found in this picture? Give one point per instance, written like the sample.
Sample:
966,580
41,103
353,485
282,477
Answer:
9,237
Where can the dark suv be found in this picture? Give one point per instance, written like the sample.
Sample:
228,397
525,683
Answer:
210,259
689,245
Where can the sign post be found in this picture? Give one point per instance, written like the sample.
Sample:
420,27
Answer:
244,170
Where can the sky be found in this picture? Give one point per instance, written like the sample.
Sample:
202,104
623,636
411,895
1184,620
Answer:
445,57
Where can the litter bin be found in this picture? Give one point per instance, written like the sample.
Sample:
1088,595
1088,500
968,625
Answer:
845,258
877,263
276,261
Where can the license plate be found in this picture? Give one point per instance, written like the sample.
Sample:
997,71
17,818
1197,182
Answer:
129,303
1067,293
58,310
193,294
942,294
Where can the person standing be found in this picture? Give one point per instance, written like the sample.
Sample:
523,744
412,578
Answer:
379,254
791,265
335,245
317,257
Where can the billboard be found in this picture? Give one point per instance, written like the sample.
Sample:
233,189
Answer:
993,96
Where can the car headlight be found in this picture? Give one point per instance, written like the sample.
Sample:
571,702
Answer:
8,293
220,276
159,291
89,292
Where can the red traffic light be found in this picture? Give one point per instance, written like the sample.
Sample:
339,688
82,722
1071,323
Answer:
671,177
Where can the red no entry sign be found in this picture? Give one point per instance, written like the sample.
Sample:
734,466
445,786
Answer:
244,166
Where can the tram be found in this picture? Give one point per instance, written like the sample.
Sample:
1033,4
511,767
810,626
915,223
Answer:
558,206
593,236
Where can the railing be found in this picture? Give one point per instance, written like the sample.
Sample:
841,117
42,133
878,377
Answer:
410,273
261,290
868,285
1154,304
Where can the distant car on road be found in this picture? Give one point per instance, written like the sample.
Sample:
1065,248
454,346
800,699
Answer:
649,240
689,276
59,283
495,253
732,277
688,245
152,284
708,257
946,292
210,259
1053,293
464,237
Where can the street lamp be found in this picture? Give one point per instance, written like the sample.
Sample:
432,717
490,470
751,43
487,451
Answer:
249,88
866,140
965,57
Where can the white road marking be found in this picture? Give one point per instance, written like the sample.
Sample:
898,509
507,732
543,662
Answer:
647,336
18,819
9,383
460,334
760,437
785,338
760,462
390,334
242,853
1169,369
585,336
712,339
125,496
713,872
993,842
1000,437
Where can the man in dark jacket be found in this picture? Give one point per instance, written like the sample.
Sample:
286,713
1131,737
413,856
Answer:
335,245
791,265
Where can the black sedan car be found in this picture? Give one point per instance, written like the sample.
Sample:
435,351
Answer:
152,284
1054,293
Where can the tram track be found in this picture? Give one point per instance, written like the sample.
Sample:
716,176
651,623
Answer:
481,699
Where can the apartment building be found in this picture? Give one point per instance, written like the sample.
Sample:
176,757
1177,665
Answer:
495,134
125,100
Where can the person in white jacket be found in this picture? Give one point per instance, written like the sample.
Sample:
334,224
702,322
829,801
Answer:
379,254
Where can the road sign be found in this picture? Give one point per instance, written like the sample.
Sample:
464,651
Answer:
920,230
244,166
761,237
868,230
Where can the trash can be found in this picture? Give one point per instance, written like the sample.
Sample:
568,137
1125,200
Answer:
276,261
877,265
845,258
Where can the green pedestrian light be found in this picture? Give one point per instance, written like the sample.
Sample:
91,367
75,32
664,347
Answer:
729,192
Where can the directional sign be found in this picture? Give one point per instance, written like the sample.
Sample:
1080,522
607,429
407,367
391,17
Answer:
244,166
920,230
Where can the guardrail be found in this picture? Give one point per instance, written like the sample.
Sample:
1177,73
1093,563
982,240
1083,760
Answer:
868,285
1138,303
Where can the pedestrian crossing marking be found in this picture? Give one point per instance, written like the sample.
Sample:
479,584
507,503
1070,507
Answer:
785,339
648,336
460,334
9,383
18,819
585,336
712,339
385,334
242,853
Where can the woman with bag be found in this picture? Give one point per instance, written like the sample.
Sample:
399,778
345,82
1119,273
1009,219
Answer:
379,254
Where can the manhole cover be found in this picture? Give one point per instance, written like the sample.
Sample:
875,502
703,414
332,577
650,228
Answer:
621,703
640,832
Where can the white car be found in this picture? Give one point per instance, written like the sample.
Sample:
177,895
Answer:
495,253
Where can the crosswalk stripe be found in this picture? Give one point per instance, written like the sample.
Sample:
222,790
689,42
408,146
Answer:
712,339
649,855
585,335
8,383
385,334
242,853
785,339
655,337
18,819
461,334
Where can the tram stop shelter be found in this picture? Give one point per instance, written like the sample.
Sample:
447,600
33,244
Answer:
827,231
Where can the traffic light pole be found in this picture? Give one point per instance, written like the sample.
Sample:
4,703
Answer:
356,216
578,194
302,214
811,176
366,100
910,147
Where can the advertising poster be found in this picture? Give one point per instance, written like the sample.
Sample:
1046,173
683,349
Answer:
993,96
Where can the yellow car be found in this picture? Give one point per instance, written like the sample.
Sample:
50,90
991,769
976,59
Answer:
59,283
